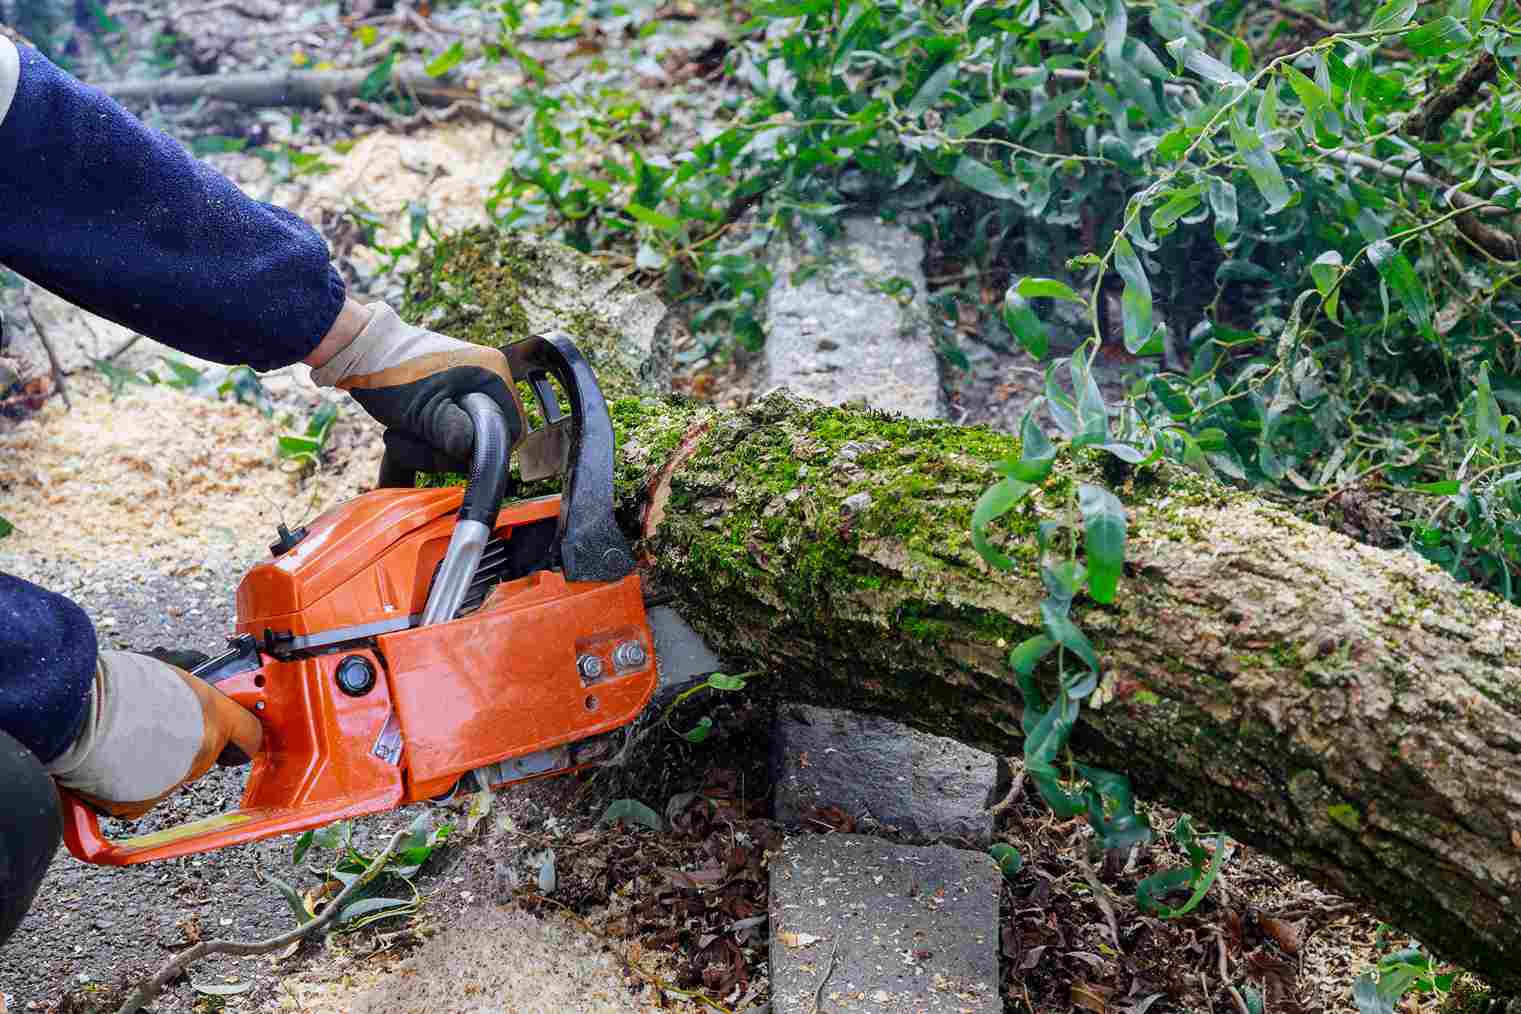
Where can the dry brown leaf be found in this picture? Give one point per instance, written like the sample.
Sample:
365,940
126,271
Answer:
1090,996
1287,935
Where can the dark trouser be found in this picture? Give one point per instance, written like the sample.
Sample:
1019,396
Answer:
47,660
31,826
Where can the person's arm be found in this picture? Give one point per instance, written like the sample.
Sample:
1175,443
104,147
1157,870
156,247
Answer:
122,221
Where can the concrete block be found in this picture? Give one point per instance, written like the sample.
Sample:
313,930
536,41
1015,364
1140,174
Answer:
885,775
895,928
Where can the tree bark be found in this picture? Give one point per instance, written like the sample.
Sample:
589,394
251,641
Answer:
1351,711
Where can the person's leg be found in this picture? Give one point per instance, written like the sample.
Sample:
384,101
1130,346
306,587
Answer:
119,730
47,664
31,827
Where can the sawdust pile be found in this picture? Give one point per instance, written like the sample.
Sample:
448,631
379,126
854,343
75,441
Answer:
450,169
166,477
497,961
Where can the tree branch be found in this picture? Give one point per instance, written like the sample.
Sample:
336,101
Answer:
1497,243
279,88
1425,124
172,969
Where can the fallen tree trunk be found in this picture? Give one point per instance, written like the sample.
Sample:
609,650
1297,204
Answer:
1350,710
279,88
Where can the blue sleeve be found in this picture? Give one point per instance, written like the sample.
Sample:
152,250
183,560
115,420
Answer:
122,221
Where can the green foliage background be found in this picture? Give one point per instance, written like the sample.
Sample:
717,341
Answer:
1244,178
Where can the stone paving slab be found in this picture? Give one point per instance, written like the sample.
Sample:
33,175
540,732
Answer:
884,774
895,928
855,324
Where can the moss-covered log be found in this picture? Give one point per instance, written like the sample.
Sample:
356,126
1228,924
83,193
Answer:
1350,710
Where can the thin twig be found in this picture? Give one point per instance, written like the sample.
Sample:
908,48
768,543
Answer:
1305,16
1101,895
818,992
1239,1001
124,346
432,117
172,969
1016,787
42,336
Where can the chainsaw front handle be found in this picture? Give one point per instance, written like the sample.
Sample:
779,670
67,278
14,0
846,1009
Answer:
477,511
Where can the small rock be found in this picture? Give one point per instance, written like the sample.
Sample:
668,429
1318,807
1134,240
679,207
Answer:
856,503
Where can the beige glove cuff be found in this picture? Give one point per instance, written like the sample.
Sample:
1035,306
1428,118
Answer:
10,75
143,728
384,344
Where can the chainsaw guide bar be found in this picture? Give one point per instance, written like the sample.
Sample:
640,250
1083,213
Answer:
410,644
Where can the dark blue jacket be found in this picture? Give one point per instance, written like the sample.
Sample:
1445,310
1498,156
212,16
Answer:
122,221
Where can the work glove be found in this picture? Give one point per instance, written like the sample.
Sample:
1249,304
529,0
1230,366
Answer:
149,728
410,380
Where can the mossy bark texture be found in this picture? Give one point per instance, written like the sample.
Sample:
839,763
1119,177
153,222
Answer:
1350,710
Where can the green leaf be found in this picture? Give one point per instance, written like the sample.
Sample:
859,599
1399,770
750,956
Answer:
1309,92
1260,165
1175,142
1115,26
861,16
1204,65
1393,15
1103,539
1024,325
1222,201
934,86
297,906
701,731
1179,204
303,843
1439,37
1065,633
445,61
725,682
1325,271
216,144
1476,11
378,80
1446,487
1399,274
369,906
6,528
1028,653
663,222
633,811
1009,861
1047,288
1079,13
533,68
971,122
1135,302
288,446
983,178
1036,453
996,501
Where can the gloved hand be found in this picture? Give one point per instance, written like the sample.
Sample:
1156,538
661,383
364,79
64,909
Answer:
410,379
149,728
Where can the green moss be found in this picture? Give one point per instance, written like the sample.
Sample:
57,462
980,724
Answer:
1346,815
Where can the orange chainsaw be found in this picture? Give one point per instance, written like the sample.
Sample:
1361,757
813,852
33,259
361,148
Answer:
411,642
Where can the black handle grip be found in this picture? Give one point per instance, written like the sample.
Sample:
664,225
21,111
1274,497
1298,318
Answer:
488,461
591,545
405,456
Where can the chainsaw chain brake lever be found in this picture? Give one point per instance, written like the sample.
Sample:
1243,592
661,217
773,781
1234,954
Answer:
579,448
